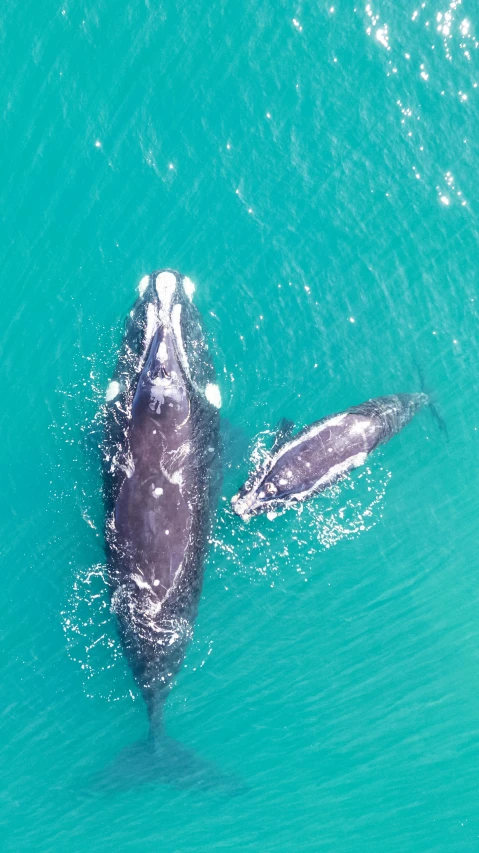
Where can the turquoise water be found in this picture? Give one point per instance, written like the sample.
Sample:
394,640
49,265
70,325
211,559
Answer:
315,171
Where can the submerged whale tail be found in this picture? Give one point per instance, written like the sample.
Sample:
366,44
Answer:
158,759
163,761
431,406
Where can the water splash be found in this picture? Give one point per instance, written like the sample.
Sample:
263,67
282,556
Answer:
91,638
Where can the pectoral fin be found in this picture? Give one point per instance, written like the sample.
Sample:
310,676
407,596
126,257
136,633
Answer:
283,433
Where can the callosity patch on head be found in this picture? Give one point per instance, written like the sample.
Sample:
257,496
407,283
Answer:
165,284
162,353
143,284
188,287
112,391
213,394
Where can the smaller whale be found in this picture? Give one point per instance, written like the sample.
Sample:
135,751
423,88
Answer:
306,464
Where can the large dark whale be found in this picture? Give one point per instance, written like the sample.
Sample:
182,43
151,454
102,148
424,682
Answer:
322,453
161,478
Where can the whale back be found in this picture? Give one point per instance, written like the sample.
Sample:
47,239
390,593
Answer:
161,471
393,413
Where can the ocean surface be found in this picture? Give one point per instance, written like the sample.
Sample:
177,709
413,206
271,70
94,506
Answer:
314,169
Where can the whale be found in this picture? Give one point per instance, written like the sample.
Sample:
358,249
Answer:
303,465
161,480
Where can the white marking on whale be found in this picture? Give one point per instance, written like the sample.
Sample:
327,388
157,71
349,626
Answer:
333,474
151,326
140,582
188,287
213,395
162,354
360,427
290,445
177,478
176,326
112,391
143,284
342,468
129,466
165,284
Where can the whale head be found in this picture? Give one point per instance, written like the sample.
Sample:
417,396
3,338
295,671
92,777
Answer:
161,385
163,347
258,495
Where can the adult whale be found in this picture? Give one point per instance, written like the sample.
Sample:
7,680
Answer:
303,466
161,477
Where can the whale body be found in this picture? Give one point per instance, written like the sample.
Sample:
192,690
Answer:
161,478
323,453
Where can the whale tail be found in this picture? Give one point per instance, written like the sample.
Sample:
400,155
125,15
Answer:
431,406
158,759
283,431
163,761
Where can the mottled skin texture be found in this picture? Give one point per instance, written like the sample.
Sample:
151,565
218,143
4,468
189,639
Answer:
324,452
161,478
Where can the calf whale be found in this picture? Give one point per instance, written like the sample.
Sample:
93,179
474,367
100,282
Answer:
319,455
161,481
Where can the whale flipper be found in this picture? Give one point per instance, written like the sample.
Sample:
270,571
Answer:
284,429
431,406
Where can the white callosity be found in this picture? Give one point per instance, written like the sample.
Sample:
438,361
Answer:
143,284
162,353
165,284
165,387
112,391
213,394
188,287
